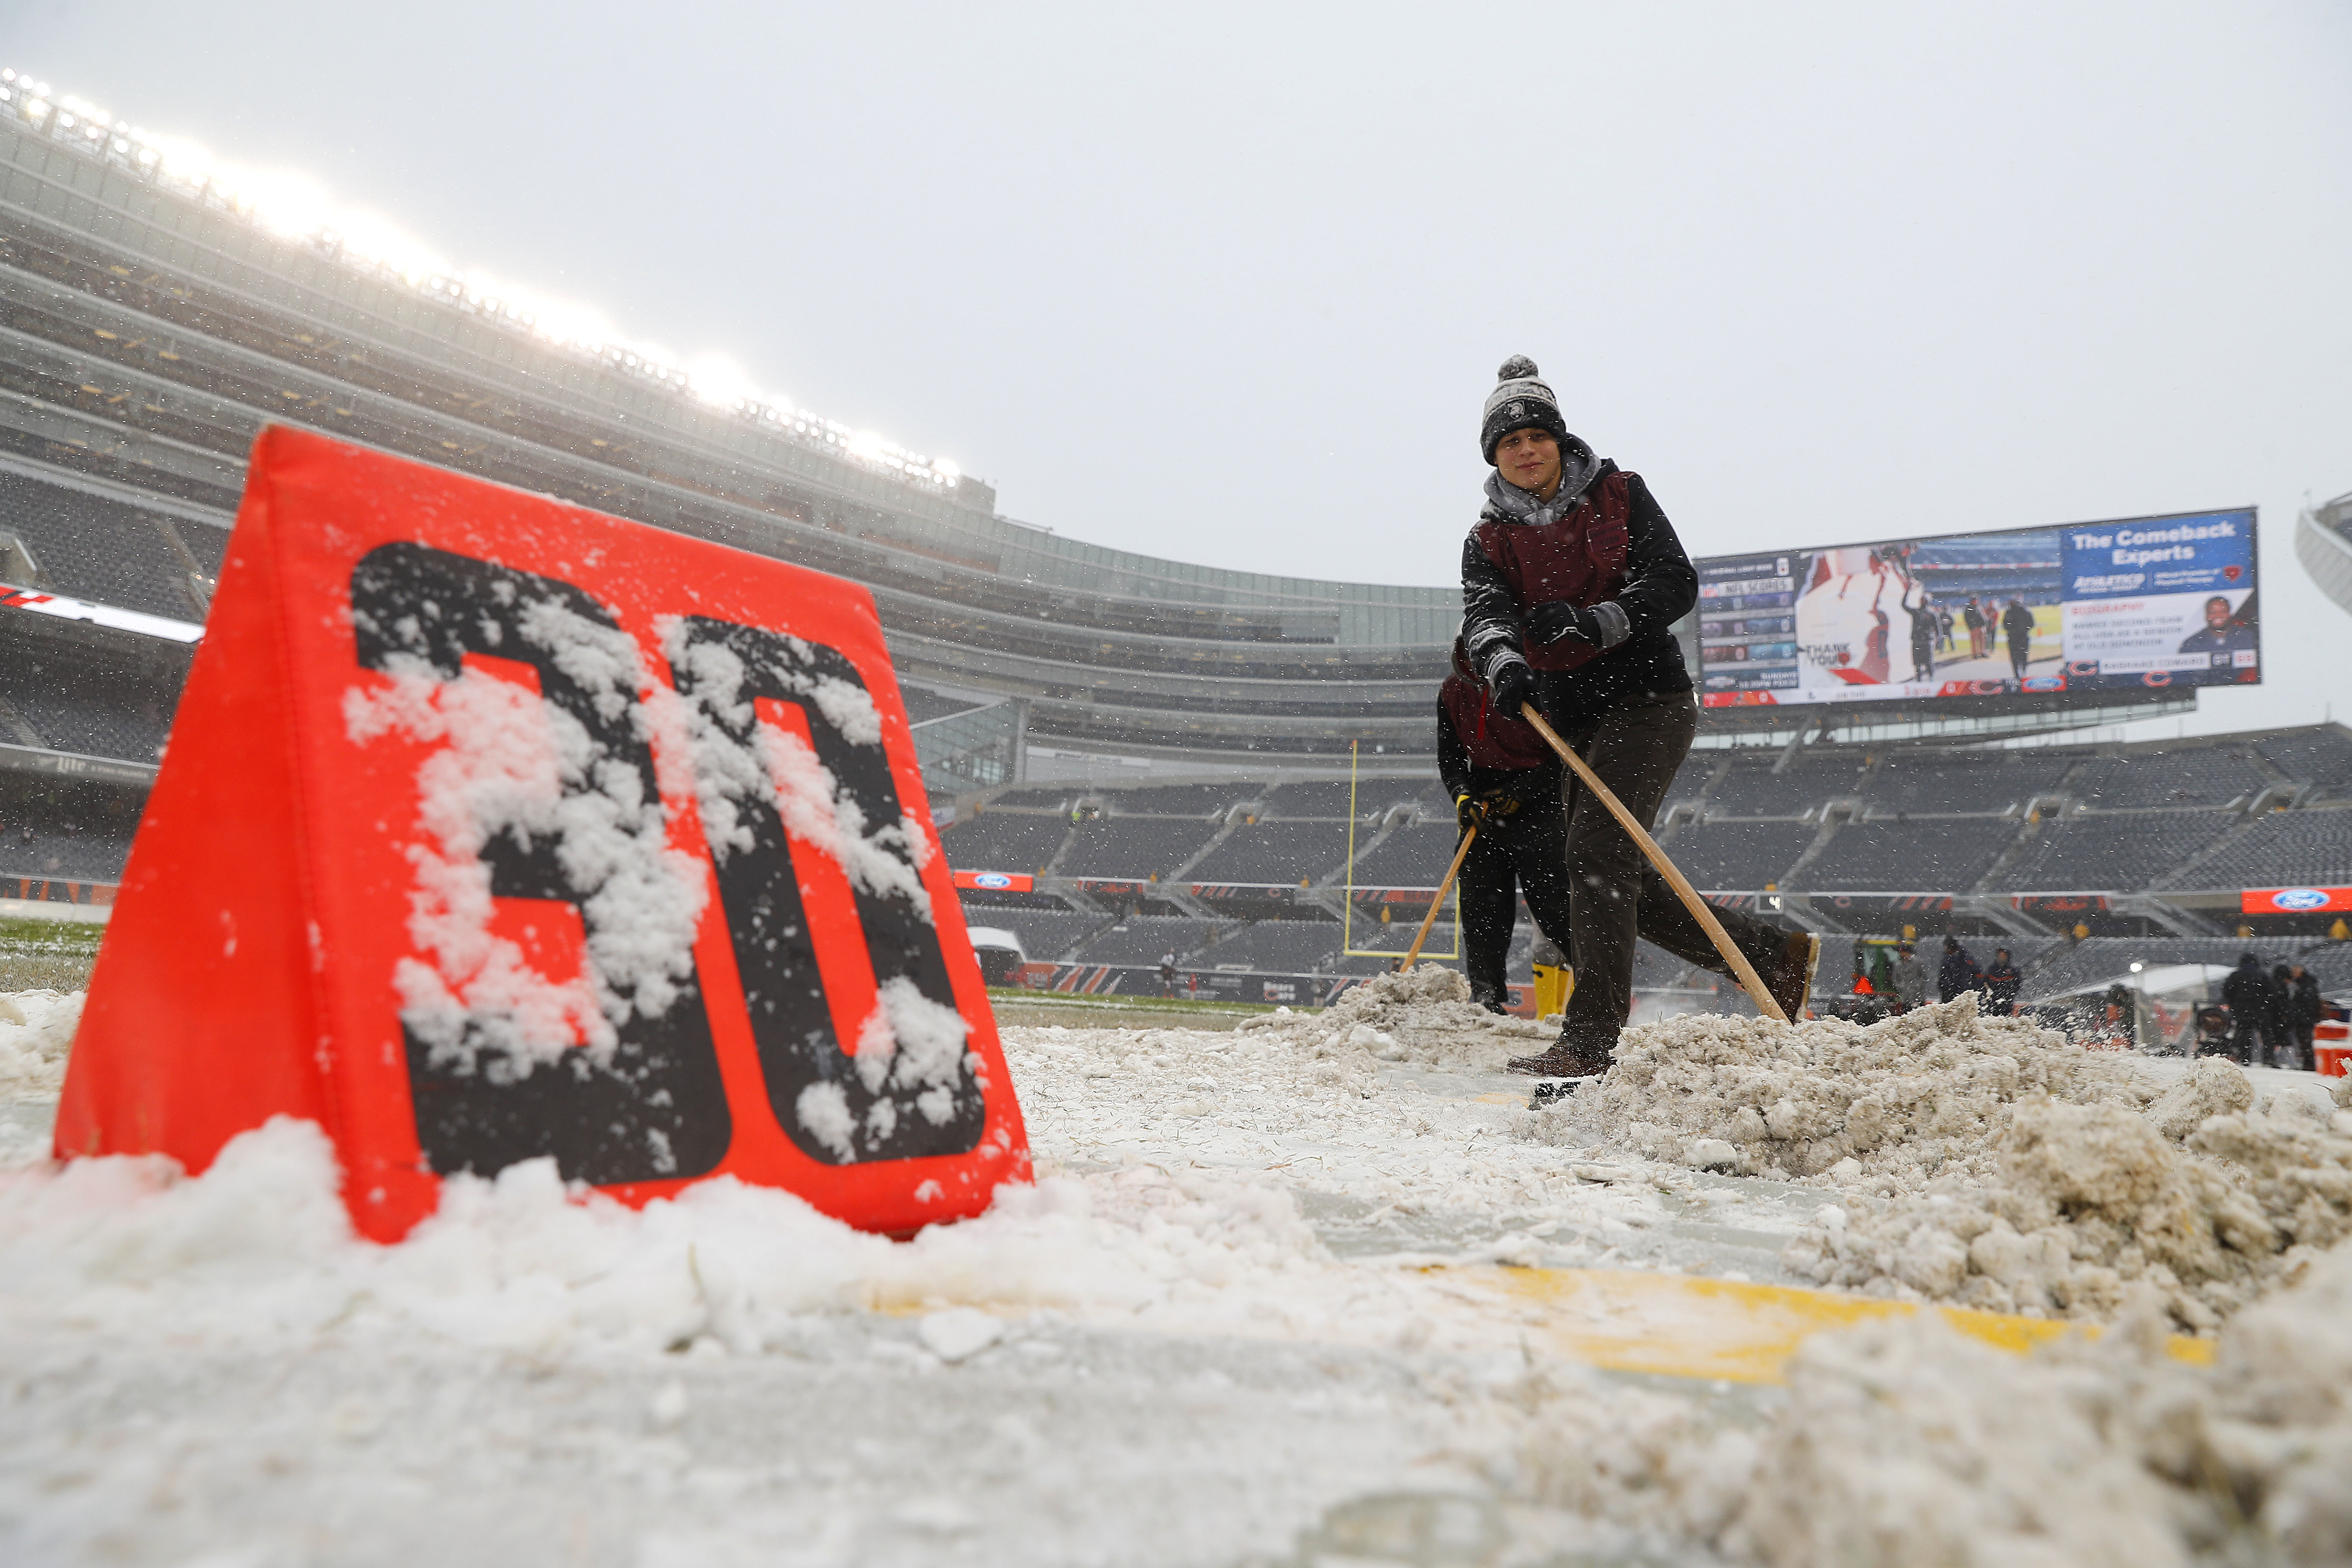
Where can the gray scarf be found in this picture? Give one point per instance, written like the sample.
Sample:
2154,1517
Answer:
1578,468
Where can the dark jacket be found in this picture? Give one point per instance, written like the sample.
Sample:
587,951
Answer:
1660,587
2002,982
2304,1005
1959,972
2017,622
2249,993
1484,752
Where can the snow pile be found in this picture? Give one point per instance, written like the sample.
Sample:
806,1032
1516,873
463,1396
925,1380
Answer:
1422,1015
1904,1442
259,1248
2095,1204
1890,1106
37,1028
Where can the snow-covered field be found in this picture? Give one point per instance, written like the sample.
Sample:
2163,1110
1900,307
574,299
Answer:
1249,1314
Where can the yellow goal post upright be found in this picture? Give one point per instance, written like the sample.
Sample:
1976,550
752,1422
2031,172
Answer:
1348,947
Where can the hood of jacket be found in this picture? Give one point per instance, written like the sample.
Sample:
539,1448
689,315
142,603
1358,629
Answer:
1578,468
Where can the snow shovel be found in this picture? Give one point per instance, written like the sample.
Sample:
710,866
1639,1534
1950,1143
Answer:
1751,981
1438,903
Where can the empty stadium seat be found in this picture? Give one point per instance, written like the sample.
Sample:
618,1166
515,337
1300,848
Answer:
2280,848
107,550
1939,854
1145,939
1737,857
2322,756
1274,852
2108,850
1003,841
1134,847
2190,776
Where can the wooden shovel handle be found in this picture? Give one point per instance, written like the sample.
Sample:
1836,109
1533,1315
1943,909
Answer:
1438,903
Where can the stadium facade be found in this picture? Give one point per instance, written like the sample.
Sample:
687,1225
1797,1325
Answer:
151,324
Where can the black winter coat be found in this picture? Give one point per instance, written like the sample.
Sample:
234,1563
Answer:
1661,587
2249,993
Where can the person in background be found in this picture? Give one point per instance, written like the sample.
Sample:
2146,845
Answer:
2278,1030
2247,994
2212,1031
2304,1008
1944,622
1923,639
1960,972
2003,982
1505,780
1910,979
2017,622
1973,614
1168,974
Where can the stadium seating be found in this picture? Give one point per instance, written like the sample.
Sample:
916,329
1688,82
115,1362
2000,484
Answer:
2278,848
2190,776
1133,847
108,550
80,700
1145,939
2313,756
1947,780
1415,856
1753,789
1939,855
1179,800
1045,934
1274,852
1395,938
924,705
2112,849
1329,797
1003,841
1737,857
1278,947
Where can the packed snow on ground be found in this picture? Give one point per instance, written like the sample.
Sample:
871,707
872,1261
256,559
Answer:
1213,1332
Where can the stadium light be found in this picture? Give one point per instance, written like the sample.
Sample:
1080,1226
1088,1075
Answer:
292,206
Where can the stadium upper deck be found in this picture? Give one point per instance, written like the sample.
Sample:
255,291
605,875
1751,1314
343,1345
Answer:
152,321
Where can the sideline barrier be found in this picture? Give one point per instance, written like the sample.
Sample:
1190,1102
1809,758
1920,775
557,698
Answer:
492,828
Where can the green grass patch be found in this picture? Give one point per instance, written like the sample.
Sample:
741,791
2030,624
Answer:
47,955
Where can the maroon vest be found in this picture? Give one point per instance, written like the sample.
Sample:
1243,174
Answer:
1492,739
1580,560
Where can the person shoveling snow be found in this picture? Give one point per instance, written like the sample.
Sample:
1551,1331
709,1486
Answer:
1569,581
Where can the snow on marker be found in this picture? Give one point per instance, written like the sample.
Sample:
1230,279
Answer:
535,834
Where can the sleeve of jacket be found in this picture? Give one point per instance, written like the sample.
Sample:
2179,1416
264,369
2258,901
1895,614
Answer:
1661,584
1453,757
1490,614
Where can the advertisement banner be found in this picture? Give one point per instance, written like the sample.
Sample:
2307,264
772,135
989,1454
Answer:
997,881
2293,900
2149,602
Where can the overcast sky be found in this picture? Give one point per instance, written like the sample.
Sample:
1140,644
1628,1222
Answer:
1228,284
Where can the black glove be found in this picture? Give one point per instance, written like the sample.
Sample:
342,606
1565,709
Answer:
1467,812
1515,684
1604,625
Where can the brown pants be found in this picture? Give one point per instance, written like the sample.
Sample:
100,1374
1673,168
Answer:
1616,895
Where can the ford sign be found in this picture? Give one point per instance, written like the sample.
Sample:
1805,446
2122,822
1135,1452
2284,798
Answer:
2299,899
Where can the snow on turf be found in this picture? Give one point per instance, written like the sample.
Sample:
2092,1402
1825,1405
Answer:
1992,1162
1154,1355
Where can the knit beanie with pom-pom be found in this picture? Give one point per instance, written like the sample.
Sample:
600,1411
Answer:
1521,401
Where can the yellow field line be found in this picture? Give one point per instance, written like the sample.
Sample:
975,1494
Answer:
1683,1325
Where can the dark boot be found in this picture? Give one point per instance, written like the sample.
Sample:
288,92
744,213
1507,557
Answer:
1487,999
1790,979
1567,1058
